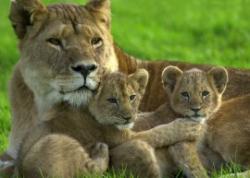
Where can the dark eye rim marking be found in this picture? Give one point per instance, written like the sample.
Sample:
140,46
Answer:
55,41
185,94
97,42
112,100
205,93
132,97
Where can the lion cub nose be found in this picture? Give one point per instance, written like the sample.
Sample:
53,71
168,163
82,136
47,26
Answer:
85,70
128,118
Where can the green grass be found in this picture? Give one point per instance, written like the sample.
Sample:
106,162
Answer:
197,31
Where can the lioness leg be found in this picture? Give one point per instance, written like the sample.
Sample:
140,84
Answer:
186,157
22,117
6,166
137,157
61,156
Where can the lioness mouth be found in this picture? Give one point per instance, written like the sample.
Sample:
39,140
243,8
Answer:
83,87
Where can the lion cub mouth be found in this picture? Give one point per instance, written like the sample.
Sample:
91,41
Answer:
125,126
199,119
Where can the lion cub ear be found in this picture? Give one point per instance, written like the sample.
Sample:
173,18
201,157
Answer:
101,10
139,80
219,78
170,76
24,13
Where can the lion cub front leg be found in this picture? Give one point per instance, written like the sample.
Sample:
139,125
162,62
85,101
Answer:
186,157
100,158
168,134
137,158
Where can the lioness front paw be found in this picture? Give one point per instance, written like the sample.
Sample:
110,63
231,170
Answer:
6,168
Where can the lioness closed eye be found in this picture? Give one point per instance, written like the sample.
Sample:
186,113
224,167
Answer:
108,118
193,95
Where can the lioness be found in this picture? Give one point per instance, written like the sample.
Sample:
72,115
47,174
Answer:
64,49
108,118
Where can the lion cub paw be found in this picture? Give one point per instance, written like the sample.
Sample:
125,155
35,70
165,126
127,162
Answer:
191,130
100,155
99,150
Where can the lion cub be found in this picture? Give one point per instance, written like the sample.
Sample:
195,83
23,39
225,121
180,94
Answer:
193,95
60,147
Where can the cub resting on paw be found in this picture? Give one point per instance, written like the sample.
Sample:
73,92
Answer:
60,146
193,95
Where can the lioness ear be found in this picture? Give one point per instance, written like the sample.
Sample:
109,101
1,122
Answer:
101,10
24,13
139,80
219,78
170,76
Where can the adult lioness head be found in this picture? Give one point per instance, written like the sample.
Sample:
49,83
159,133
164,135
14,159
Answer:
194,93
64,48
117,100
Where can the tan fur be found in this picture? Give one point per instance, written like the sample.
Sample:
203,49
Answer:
111,113
42,69
189,90
225,125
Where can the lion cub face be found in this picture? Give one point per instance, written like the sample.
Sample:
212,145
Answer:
118,99
194,93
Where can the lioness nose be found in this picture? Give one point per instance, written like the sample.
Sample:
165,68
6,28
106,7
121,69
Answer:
196,109
85,70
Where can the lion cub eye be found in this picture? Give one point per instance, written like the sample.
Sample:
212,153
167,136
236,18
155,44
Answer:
112,100
185,94
205,93
55,41
96,42
132,97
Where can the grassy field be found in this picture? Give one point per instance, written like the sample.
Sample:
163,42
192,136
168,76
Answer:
198,31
